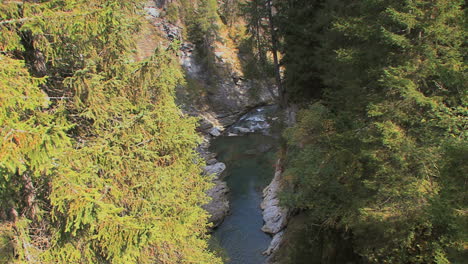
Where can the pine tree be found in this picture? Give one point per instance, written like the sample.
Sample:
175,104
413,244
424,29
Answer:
300,42
367,158
107,172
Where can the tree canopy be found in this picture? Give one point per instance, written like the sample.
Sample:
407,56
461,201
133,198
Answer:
377,152
97,162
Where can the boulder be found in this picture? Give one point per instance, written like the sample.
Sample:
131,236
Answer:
211,161
274,216
204,125
215,169
218,207
152,11
219,54
215,132
274,244
242,130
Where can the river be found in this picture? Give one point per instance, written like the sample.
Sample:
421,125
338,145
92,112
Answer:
249,158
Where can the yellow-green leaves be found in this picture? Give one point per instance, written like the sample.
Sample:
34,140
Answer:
29,135
98,144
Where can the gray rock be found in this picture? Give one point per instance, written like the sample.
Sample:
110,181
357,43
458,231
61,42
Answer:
210,157
188,61
211,161
218,207
215,169
275,217
219,54
274,244
187,47
204,125
227,119
152,11
215,132
242,130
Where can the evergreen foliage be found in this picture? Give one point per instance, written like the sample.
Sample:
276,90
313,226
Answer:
97,162
262,63
300,36
256,14
379,154
201,23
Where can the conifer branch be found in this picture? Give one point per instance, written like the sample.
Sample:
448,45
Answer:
12,21
57,15
49,97
142,143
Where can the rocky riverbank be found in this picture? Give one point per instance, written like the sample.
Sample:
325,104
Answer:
218,207
274,216
223,102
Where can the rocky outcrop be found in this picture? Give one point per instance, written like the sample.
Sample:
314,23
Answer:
215,169
259,120
215,132
275,217
227,93
274,244
224,97
231,99
218,207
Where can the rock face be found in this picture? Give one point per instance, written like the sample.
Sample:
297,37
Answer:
274,216
215,169
218,207
227,93
274,244
224,96
215,132
233,98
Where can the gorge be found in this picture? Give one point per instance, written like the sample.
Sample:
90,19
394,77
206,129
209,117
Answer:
233,131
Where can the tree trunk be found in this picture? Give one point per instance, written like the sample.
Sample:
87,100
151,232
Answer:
29,196
274,50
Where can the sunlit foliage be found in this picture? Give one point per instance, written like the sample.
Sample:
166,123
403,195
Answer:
97,162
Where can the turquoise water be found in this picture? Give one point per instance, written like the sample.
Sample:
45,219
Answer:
249,160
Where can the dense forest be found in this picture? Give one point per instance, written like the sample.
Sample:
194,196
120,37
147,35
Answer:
98,163
378,158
